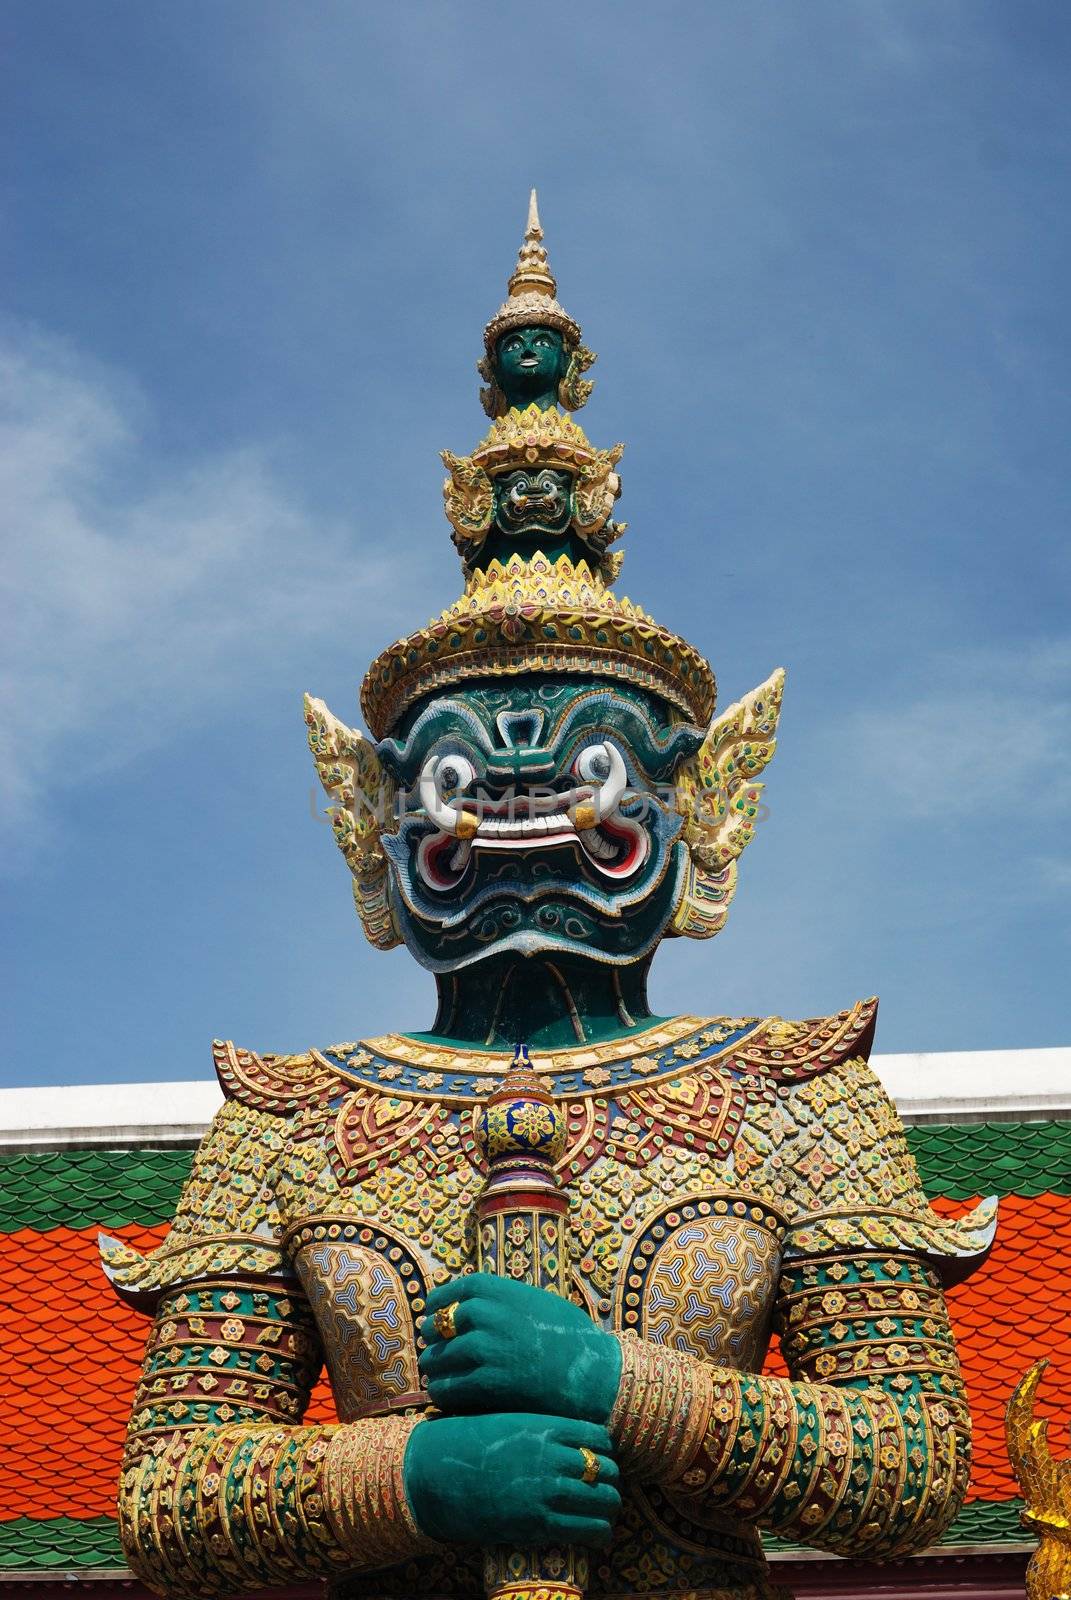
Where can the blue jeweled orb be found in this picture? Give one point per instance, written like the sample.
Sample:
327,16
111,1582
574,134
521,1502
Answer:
521,1118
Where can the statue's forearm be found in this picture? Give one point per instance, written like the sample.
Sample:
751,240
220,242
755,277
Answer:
222,1489
879,1468
245,1505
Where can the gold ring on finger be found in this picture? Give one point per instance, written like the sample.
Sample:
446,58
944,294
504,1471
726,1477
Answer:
446,1321
592,1465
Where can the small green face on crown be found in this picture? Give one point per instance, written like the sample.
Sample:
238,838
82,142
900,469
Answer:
529,366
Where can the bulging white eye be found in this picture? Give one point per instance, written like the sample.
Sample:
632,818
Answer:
441,776
453,773
603,766
594,763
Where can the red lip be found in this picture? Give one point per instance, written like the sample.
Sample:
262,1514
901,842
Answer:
633,837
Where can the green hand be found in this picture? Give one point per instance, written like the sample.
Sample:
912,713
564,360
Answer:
517,1348
511,1480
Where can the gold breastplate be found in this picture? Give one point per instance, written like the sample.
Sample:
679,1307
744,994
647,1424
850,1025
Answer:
377,1196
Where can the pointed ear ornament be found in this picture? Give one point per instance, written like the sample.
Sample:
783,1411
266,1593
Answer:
719,799
363,794
470,499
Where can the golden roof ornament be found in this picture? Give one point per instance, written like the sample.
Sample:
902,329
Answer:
1045,1483
532,303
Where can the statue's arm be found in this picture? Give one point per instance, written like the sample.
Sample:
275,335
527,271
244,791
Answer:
222,1488
864,1450
245,1496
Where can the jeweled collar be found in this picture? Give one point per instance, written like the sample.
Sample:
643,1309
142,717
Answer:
411,1067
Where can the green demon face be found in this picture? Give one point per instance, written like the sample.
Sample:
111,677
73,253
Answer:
529,365
536,816
533,503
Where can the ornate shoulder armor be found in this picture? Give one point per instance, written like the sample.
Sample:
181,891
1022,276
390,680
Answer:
227,1219
855,1185
783,1052
275,1083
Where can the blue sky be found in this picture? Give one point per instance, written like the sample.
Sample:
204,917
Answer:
823,251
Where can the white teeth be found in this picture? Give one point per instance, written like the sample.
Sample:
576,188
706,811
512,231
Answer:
499,834
523,827
594,841
460,857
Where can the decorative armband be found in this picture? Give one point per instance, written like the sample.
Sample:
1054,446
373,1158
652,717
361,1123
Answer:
779,1453
220,1510
365,1492
662,1409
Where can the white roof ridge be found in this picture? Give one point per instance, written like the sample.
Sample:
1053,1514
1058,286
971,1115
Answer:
928,1086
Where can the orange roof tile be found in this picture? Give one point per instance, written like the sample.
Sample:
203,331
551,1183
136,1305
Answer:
72,1354
1015,1309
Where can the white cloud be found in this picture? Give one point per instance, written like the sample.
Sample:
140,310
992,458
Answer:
991,734
140,594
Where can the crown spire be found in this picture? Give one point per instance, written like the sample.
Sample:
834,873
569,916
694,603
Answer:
533,274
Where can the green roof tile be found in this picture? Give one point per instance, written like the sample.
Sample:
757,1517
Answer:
90,1188
29,1545
988,1522
110,1188
965,1159
981,1522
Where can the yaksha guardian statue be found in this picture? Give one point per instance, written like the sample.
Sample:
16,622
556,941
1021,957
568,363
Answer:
543,1246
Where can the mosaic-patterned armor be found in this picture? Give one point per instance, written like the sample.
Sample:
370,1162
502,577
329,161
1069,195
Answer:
724,1179
728,1177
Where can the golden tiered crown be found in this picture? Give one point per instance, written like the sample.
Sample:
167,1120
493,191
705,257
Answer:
533,613
537,615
